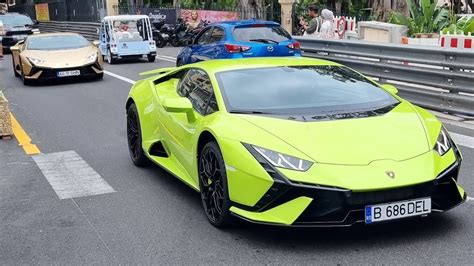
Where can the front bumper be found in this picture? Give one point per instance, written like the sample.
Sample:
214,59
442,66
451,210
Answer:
45,73
288,203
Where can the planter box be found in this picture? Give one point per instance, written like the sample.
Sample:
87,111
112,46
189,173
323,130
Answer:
424,41
5,119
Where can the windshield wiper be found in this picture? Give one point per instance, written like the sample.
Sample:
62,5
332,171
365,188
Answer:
247,112
264,41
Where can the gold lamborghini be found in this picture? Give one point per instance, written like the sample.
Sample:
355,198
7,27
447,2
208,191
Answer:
56,56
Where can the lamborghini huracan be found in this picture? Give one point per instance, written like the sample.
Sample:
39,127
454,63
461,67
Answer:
293,141
56,56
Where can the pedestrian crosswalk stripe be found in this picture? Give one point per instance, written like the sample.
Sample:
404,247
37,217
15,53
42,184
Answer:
70,176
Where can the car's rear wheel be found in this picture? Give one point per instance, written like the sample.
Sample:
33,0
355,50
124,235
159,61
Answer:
134,137
213,185
151,58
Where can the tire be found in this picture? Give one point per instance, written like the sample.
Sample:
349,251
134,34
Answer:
100,76
14,68
110,59
151,58
174,42
162,43
213,185
134,138
179,63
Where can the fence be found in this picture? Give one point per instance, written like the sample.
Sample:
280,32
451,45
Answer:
270,12
436,78
87,29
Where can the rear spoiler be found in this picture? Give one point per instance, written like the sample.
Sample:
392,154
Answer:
159,71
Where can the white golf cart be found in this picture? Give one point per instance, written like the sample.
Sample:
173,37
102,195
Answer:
126,36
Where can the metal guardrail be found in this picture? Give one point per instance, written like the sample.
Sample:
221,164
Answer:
436,78
86,29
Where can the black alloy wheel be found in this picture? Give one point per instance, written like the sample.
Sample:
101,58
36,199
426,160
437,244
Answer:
213,185
134,137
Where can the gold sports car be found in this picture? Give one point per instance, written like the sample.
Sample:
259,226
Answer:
56,56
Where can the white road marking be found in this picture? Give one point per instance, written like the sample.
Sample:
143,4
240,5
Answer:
463,140
119,77
166,58
469,199
70,176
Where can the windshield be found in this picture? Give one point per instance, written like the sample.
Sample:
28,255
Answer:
57,42
301,90
16,20
257,34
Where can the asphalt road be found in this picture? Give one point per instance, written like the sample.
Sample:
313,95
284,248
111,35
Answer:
152,218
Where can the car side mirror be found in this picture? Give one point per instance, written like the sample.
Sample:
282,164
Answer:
390,88
179,105
96,43
14,48
36,22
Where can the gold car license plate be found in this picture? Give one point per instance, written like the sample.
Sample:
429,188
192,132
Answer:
69,73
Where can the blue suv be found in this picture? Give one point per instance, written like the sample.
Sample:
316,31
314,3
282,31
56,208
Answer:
239,39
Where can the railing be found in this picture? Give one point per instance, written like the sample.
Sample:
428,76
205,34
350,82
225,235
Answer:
436,78
86,29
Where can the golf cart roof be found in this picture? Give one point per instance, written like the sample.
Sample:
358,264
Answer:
125,17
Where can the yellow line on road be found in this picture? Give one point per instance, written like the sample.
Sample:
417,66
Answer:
23,139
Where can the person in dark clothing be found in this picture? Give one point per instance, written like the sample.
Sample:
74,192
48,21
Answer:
314,25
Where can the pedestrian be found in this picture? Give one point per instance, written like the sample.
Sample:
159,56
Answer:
327,27
311,28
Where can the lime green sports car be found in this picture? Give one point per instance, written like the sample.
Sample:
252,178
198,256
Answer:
293,141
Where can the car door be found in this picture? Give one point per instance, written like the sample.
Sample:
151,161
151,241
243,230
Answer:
214,49
196,86
199,47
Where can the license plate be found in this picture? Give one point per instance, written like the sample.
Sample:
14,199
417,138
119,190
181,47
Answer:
69,73
396,210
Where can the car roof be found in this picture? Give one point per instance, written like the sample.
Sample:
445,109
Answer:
124,17
220,65
54,34
249,22
13,14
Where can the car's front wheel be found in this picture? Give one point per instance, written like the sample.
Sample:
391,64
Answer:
110,59
14,68
134,137
213,185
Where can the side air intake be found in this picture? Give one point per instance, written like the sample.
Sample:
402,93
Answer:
157,149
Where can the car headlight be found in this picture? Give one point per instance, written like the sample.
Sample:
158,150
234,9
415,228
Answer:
35,61
92,57
443,143
283,160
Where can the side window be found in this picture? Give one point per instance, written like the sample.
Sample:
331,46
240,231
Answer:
197,87
204,36
217,35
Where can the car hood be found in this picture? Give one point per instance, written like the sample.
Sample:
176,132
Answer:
62,58
397,135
